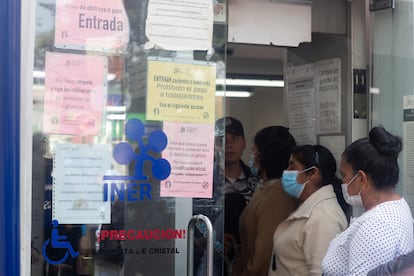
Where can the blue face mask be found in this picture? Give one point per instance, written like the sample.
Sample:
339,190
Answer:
252,167
290,184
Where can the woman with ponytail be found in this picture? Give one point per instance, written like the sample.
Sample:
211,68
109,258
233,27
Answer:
301,241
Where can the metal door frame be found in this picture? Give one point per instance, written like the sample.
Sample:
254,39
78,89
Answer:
10,138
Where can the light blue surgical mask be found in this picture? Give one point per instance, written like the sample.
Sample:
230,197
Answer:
252,167
290,183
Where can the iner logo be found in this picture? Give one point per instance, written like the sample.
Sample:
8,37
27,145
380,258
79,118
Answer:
134,187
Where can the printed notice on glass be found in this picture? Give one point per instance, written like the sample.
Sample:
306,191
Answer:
176,25
408,152
328,91
75,89
137,77
77,194
190,152
300,104
91,25
181,92
220,12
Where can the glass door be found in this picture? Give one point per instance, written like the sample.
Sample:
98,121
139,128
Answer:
124,155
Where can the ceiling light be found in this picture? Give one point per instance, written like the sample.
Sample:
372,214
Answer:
116,108
374,90
39,74
252,80
235,94
114,117
110,76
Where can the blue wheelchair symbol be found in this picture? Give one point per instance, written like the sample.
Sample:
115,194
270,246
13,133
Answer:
58,241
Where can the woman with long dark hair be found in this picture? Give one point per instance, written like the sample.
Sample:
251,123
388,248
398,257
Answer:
269,205
301,241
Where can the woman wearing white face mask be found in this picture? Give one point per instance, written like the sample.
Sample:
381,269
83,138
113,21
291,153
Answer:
385,230
301,241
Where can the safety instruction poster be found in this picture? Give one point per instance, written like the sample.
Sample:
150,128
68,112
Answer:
91,25
190,152
313,96
300,99
77,194
176,25
328,80
75,89
181,92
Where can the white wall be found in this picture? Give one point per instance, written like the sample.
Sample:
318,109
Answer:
268,23
284,24
263,109
329,16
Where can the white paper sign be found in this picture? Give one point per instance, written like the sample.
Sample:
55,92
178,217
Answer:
300,104
77,195
176,25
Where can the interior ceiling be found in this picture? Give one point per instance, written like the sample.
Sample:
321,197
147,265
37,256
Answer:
254,59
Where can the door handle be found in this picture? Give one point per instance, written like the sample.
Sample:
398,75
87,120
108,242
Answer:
190,244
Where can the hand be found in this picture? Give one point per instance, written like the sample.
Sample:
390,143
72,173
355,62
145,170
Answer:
229,243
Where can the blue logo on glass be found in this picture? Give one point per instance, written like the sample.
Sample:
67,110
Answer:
124,154
58,241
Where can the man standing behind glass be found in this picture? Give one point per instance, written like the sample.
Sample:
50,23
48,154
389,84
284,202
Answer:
239,183
238,176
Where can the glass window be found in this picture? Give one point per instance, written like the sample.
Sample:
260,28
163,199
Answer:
124,109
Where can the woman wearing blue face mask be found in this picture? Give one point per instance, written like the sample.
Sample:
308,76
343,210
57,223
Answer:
301,241
385,230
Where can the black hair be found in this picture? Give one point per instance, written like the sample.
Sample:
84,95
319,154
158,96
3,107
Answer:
320,157
377,156
274,145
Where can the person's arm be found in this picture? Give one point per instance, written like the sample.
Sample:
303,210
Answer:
400,264
269,216
320,229
259,263
372,245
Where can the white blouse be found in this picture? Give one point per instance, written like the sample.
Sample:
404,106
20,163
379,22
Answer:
376,237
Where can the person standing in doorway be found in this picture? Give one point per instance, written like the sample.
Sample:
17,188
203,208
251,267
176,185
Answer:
238,176
234,184
239,184
269,205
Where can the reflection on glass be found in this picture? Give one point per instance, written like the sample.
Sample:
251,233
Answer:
141,232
